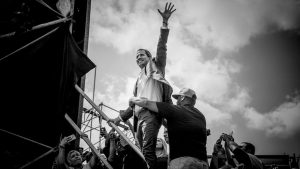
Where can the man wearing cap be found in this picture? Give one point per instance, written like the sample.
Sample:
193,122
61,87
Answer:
186,128
150,84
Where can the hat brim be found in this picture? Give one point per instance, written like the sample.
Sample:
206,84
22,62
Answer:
175,96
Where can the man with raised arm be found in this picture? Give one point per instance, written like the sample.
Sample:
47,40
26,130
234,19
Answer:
152,85
72,159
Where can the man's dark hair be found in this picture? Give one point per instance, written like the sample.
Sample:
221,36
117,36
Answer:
249,147
147,52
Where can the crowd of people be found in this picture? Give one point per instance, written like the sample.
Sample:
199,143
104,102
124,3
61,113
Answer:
185,133
120,155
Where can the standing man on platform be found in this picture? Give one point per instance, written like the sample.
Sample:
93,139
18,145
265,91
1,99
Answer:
152,85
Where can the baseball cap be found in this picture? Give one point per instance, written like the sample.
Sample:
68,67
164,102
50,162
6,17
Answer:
185,92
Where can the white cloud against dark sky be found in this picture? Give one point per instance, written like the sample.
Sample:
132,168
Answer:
207,46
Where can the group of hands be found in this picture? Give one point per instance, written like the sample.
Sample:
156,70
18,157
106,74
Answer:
112,136
224,137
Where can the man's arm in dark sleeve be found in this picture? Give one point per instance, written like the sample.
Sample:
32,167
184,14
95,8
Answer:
214,162
126,114
242,157
161,52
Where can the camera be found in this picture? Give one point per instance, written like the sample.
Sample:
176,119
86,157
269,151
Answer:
103,131
71,138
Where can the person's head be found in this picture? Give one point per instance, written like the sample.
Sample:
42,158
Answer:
248,147
161,147
187,163
159,143
185,96
74,158
166,135
121,145
142,57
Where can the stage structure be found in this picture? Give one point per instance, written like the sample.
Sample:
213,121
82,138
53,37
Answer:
92,123
42,56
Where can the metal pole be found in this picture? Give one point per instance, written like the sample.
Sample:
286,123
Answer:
100,125
26,139
91,126
110,107
134,147
43,25
30,43
120,125
88,142
127,122
38,158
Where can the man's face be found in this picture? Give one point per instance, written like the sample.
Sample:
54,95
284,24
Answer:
243,147
179,100
166,136
159,143
141,58
74,158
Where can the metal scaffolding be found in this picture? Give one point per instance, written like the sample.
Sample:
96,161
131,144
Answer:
92,123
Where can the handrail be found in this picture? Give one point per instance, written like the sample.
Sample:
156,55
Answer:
133,146
127,122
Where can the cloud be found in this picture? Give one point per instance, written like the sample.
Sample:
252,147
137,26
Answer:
212,114
115,93
124,27
282,122
224,26
228,25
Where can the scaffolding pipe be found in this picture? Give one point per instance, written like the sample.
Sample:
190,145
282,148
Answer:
97,115
41,144
127,122
134,147
39,157
100,125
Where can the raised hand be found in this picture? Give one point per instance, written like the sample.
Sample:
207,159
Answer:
67,140
168,12
227,137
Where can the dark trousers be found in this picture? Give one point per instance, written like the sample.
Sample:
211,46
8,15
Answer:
147,131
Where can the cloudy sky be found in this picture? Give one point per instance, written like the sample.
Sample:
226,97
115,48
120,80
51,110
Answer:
240,56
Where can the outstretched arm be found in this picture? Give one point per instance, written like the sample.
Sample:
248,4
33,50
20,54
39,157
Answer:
60,159
240,155
143,102
161,52
124,116
228,156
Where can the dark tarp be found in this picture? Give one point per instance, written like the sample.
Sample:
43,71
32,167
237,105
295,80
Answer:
37,89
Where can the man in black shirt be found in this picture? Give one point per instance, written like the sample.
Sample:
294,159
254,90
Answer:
186,128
